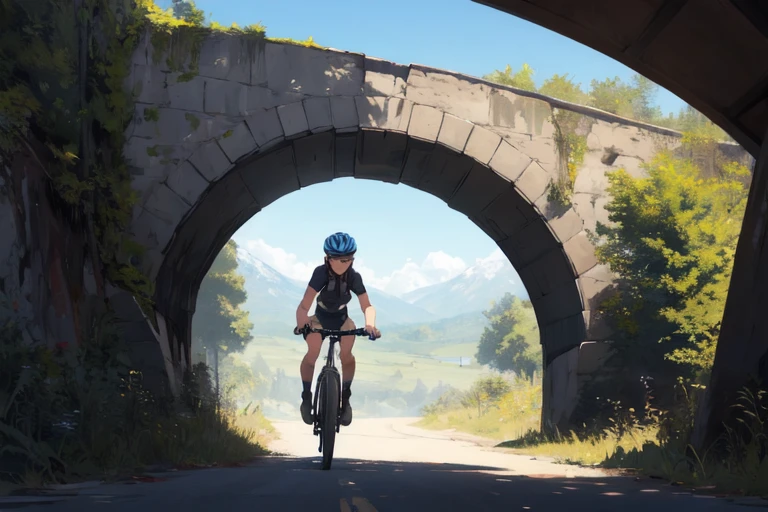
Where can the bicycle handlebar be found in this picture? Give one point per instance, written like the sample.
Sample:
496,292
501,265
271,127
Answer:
332,332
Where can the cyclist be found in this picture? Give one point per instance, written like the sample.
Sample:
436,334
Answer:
332,283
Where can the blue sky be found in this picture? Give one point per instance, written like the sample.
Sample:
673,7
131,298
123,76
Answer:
421,240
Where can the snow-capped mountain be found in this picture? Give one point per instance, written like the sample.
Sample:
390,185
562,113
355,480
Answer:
472,290
273,298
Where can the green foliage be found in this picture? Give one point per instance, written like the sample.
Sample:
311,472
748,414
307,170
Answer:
485,393
219,323
186,10
523,79
634,100
82,411
511,342
672,245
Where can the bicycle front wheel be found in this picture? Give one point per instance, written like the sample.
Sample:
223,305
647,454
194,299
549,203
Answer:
330,417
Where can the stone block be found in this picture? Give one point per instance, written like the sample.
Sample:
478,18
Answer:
318,112
444,172
560,389
566,225
509,213
384,78
592,356
527,277
163,211
187,183
560,303
225,97
533,240
454,132
533,182
186,95
210,161
540,149
591,178
271,176
508,161
239,143
482,144
552,270
225,57
581,252
479,188
293,118
564,334
266,128
379,155
416,161
313,72
462,96
314,158
594,283
148,84
170,126
425,123
384,113
344,114
344,157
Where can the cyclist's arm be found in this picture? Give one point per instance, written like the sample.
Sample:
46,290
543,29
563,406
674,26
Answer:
305,304
368,310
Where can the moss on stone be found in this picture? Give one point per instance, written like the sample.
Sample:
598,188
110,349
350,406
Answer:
152,151
151,114
227,134
193,120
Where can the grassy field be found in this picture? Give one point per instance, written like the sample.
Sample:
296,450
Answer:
375,365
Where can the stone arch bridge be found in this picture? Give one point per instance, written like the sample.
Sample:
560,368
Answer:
257,123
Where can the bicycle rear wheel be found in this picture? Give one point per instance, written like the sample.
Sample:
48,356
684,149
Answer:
330,399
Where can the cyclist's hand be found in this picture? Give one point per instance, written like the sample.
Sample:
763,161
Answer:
302,321
371,329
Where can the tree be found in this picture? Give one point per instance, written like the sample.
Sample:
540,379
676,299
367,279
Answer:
563,88
523,79
672,245
511,342
219,325
187,11
486,392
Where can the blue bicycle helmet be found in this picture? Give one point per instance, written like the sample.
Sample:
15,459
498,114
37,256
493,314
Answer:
339,244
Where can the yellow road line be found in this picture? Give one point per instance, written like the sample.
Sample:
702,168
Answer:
359,504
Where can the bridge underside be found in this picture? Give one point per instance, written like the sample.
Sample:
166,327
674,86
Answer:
562,278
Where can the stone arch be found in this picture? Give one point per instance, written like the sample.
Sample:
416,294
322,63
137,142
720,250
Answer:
476,172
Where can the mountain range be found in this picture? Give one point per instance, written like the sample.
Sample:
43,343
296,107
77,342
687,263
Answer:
273,297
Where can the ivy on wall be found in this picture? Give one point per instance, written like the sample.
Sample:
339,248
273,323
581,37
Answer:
63,69
571,148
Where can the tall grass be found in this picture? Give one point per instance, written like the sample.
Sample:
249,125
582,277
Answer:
650,441
80,412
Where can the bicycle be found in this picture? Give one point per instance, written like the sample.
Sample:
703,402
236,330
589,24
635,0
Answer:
326,418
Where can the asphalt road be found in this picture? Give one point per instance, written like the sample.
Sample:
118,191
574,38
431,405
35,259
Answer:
385,465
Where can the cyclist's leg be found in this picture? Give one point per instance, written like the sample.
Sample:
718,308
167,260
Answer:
347,371
307,370
347,359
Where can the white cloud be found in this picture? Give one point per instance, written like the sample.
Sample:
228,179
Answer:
284,262
437,267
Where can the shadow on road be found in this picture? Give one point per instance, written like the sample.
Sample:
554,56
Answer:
290,483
